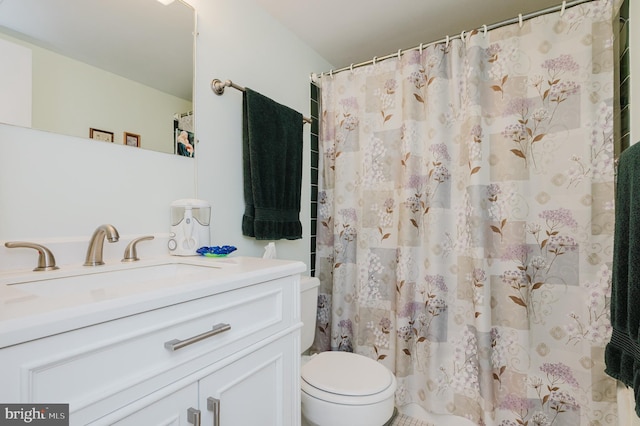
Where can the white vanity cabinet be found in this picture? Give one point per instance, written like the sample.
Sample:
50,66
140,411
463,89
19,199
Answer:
174,409
253,390
229,358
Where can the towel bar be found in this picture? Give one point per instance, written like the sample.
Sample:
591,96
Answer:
218,88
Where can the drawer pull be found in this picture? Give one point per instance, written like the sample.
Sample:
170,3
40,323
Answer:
213,404
194,416
175,344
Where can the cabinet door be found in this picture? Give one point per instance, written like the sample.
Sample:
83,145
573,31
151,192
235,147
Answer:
261,388
170,410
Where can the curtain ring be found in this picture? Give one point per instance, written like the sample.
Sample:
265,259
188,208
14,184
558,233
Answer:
446,42
520,20
564,5
484,28
462,36
399,53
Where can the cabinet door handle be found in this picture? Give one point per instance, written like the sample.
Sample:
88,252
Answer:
193,416
213,404
175,344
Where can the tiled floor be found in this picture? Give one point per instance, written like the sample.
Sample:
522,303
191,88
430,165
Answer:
402,420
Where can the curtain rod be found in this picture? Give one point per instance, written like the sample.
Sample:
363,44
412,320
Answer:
218,88
518,19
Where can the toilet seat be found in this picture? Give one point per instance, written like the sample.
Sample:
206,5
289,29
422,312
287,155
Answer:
346,378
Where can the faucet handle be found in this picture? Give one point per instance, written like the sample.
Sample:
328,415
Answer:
46,261
131,253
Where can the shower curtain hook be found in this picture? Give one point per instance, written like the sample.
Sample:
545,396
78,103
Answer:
421,48
446,42
375,58
399,53
484,27
331,73
351,67
564,5
462,36
520,19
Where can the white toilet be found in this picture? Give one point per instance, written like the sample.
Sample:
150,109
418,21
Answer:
340,388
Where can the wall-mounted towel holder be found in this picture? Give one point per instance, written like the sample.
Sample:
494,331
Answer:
218,88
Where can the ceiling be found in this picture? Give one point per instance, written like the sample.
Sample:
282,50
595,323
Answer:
341,31
352,31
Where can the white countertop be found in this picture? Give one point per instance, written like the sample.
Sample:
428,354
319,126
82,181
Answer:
38,304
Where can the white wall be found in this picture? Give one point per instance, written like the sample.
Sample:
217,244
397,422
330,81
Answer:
240,42
56,188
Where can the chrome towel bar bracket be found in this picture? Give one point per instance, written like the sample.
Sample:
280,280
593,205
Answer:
218,86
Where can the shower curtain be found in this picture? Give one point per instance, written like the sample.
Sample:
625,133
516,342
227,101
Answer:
465,220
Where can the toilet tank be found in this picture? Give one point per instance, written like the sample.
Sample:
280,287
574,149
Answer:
308,307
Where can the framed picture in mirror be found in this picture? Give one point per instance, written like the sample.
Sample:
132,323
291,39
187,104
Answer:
131,139
101,135
184,143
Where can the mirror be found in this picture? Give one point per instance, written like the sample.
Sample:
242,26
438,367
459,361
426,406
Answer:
115,70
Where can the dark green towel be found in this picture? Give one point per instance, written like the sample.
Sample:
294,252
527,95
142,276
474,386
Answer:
622,354
272,166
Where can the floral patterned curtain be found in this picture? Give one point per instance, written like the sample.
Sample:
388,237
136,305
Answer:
465,220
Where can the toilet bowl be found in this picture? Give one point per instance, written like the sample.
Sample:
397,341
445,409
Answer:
340,388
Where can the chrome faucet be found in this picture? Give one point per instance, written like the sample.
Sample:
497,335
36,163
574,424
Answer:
94,252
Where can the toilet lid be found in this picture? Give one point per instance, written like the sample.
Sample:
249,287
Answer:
346,373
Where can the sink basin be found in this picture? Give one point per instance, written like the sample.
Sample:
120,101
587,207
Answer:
96,280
